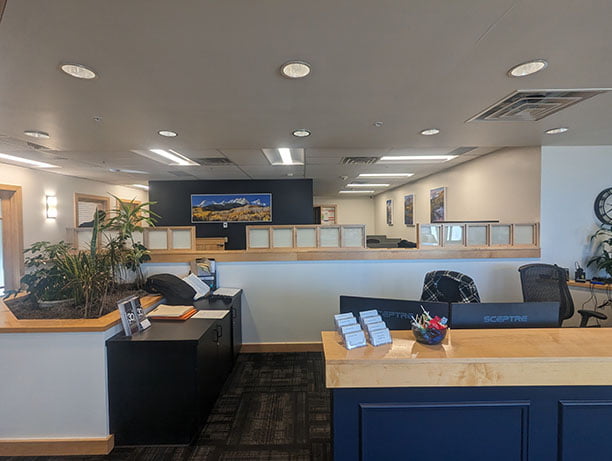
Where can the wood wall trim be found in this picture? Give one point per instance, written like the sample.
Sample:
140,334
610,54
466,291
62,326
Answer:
57,447
340,254
10,324
251,348
12,234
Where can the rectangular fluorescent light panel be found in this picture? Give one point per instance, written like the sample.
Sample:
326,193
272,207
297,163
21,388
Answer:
367,185
175,157
26,161
418,158
284,156
356,191
139,186
386,175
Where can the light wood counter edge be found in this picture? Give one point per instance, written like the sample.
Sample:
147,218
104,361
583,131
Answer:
57,447
339,254
10,324
495,371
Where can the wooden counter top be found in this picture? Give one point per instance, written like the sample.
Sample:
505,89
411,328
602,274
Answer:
502,357
339,254
11,324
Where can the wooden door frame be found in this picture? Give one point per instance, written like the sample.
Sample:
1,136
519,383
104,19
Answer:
12,235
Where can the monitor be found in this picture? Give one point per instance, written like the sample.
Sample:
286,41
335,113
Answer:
505,315
395,312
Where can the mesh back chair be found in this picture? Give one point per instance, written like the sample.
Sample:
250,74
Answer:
450,287
547,282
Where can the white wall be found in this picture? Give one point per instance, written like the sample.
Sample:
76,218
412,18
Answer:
504,185
36,184
54,385
354,210
571,179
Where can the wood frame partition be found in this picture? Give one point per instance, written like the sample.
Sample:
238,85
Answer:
97,199
12,235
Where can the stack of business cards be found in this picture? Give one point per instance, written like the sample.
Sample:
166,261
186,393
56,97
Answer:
352,334
375,327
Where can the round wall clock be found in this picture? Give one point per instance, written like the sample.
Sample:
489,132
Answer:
603,206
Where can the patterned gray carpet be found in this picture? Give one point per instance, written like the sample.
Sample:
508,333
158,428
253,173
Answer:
272,407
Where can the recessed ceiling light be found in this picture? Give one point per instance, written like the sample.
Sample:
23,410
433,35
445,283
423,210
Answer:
27,161
301,133
168,133
528,68
430,132
385,175
377,124
295,69
120,170
78,71
561,129
140,186
284,156
37,134
418,158
356,191
367,185
175,157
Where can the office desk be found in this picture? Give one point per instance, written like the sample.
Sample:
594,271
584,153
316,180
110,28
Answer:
532,394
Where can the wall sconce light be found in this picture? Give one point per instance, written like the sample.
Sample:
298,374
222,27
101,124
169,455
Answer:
51,202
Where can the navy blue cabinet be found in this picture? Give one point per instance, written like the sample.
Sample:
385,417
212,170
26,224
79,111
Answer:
164,381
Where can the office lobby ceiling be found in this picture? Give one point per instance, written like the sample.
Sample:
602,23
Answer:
210,70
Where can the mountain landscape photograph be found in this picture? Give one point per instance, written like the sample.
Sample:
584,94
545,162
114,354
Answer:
231,208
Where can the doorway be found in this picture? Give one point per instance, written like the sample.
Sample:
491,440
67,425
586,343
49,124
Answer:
11,237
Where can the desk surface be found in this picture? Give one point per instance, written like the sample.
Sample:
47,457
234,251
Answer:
589,285
513,357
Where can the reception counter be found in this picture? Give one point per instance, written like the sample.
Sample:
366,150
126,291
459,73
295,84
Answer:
519,394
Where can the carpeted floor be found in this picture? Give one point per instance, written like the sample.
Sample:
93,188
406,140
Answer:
272,407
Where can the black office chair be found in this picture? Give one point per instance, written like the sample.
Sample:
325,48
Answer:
450,287
547,282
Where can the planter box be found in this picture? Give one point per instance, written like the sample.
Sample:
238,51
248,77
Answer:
54,390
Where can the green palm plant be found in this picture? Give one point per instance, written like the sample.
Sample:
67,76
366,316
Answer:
603,239
129,218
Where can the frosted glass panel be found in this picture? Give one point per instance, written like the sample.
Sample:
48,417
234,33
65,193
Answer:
500,235
181,239
523,234
259,238
158,240
453,235
138,237
84,239
306,238
352,237
282,238
477,236
330,237
430,235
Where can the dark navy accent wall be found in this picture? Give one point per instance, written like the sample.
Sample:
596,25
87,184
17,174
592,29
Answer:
291,204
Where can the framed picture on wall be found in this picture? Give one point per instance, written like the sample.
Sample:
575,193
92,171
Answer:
409,210
231,208
389,212
437,203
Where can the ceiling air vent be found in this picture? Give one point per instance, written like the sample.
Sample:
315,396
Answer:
214,161
359,160
533,105
461,150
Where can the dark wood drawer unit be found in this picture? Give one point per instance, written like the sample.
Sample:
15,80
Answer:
234,305
164,381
